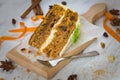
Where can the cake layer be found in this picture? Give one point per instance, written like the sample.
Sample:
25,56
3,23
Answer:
44,29
62,34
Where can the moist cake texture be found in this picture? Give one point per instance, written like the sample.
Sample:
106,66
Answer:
43,30
64,30
54,31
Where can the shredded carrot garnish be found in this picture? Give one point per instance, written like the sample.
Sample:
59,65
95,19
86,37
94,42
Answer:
108,29
36,18
3,38
40,17
31,29
109,16
22,24
7,38
24,31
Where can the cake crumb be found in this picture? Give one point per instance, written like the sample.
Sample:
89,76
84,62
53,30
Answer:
29,51
28,70
111,58
102,45
99,72
24,50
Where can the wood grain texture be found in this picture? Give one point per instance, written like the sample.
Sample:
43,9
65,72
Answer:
40,68
95,12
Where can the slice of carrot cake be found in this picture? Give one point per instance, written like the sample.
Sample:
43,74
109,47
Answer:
57,32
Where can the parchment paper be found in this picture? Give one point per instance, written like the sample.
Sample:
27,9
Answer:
88,31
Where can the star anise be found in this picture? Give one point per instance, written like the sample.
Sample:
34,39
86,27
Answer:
115,22
7,65
72,77
114,11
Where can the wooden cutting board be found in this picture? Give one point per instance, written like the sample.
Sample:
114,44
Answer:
43,68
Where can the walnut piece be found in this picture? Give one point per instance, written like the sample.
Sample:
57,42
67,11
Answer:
99,72
102,45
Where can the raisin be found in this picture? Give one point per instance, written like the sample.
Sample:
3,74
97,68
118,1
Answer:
50,6
24,50
64,3
29,51
44,25
55,20
52,25
64,28
52,14
72,18
105,34
13,21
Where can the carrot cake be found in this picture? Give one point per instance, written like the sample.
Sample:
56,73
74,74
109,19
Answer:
58,30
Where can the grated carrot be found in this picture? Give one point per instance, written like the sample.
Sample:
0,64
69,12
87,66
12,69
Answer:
36,18
3,38
109,16
31,29
108,29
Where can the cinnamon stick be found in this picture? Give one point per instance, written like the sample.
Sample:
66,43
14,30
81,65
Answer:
37,9
29,9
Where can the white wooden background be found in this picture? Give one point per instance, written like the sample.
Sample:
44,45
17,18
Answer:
84,67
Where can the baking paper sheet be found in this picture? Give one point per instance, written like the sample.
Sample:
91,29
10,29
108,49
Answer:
87,32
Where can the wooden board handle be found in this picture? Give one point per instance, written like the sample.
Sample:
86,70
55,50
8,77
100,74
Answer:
95,12
91,15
